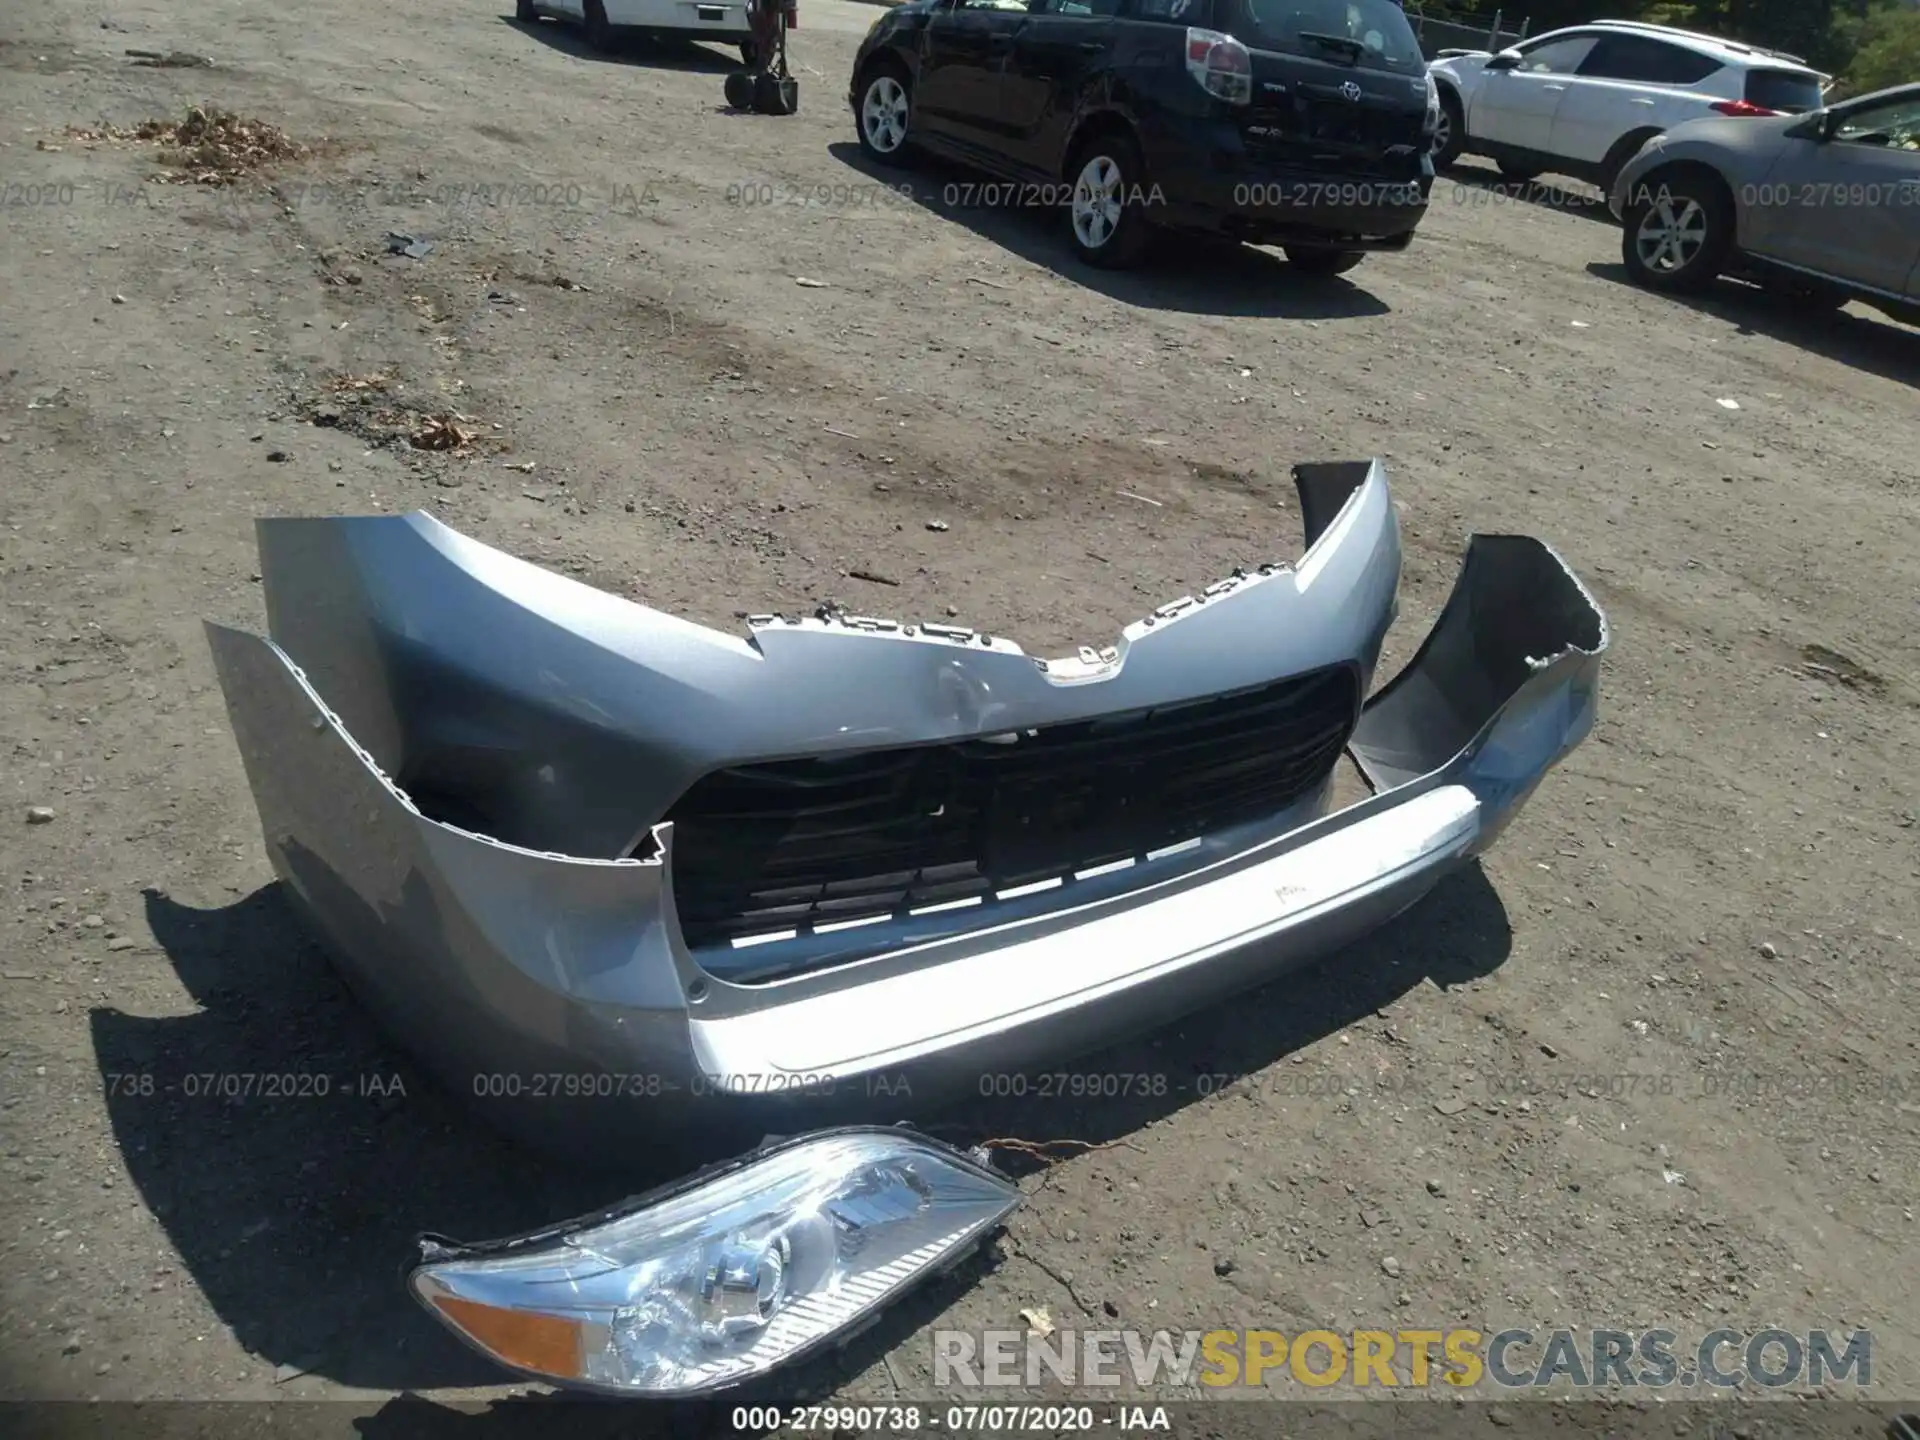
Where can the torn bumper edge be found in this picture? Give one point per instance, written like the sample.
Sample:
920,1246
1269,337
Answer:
554,992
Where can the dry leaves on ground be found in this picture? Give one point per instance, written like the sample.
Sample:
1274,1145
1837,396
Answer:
208,146
442,432
360,384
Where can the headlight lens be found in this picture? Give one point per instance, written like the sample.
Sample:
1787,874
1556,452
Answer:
1433,105
726,1278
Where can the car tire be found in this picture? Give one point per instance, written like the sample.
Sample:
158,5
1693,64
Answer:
524,12
1314,260
885,115
1452,137
1105,221
593,24
1677,232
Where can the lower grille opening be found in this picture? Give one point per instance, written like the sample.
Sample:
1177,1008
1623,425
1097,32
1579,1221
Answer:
764,851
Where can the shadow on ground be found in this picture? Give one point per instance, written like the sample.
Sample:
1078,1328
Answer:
1469,187
661,52
1857,336
293,1157
1189,274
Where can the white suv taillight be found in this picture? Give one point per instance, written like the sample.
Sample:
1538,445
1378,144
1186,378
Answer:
1745,108
1221,64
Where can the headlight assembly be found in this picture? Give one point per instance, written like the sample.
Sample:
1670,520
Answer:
723,1277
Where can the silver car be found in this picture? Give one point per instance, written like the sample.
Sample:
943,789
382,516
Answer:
1826,205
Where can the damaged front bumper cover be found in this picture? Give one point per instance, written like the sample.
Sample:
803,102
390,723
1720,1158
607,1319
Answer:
638,888
419,686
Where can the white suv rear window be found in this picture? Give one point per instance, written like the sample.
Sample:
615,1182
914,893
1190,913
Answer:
1793,91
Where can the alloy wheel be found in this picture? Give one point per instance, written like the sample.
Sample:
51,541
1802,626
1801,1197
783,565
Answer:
883,114
1097,201
1671,234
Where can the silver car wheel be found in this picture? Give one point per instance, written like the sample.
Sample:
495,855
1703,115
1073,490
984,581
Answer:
1442,132
883,114
1096,202
1671,234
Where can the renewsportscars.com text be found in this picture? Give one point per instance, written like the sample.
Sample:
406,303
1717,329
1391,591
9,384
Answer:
1402,1358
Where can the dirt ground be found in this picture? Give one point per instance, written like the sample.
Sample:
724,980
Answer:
1653,1064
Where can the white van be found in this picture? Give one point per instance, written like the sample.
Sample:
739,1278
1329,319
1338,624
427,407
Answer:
603,20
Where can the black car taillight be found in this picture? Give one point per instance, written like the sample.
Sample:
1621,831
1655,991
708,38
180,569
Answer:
1221,65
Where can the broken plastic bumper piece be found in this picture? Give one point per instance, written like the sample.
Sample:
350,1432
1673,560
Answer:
621,878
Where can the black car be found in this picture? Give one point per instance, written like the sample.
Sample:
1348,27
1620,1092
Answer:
1303,123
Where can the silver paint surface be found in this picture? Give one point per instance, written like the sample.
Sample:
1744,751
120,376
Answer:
541,950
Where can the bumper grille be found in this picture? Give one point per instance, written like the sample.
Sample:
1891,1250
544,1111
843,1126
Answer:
798,844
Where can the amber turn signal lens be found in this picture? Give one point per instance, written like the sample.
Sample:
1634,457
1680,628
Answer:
544,1344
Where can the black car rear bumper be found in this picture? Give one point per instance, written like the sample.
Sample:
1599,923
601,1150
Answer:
1202,186
1274,205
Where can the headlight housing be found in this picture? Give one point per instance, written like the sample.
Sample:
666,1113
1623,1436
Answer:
722,1277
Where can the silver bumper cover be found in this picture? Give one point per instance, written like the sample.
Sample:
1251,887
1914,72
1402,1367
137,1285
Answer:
542,968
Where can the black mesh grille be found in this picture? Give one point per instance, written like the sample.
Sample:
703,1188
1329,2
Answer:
797,843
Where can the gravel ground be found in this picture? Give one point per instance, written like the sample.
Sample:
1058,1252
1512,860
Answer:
1637,1070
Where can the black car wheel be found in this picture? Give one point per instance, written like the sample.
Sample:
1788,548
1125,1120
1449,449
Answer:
1316,261
886,110
1451,136
524,12
1106,216
594,23
1677,232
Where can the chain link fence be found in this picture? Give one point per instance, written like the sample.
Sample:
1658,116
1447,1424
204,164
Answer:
1494,32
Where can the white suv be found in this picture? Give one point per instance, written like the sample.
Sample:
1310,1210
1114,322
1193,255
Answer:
1582,101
